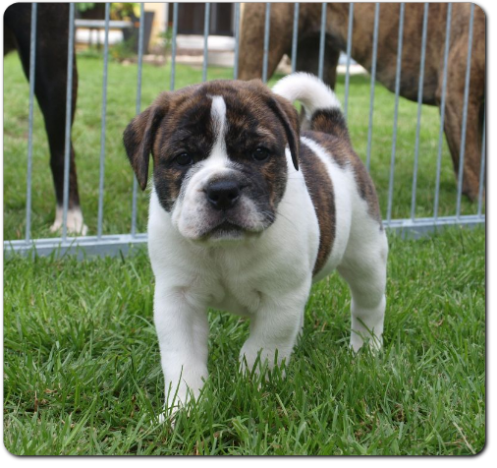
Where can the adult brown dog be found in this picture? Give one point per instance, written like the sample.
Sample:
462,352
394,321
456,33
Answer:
251,51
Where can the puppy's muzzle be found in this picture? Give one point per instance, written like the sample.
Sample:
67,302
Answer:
223,194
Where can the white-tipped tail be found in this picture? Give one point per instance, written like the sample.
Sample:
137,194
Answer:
309,90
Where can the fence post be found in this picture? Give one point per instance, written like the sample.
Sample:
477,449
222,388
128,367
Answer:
67,147
420,102
396,112
104,125
32,65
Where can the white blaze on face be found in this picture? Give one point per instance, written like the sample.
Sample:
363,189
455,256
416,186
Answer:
190,209
218,116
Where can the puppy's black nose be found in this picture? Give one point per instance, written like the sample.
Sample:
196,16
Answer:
223,194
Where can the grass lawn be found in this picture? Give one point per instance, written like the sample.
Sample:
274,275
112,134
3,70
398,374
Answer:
81,359
82,371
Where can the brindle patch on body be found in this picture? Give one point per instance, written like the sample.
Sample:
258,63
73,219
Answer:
342,153
320,189
331,121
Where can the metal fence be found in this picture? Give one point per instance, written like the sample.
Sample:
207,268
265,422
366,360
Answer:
121,242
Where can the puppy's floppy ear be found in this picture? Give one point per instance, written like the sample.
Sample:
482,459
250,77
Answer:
139,137
288,116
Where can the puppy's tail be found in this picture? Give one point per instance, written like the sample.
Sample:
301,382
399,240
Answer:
320,103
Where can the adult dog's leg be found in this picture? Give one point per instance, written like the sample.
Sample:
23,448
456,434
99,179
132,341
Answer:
252,38
308,61
456,81
50,90
308,58
453,131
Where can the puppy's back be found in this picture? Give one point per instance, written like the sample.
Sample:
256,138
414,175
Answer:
329,130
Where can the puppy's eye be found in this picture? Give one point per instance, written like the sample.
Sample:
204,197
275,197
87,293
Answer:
184,159
260,154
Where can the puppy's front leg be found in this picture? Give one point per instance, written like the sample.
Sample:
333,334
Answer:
275,328
182,330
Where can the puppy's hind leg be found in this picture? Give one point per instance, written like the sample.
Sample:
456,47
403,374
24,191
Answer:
364,268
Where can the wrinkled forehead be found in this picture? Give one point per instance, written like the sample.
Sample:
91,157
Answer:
203,108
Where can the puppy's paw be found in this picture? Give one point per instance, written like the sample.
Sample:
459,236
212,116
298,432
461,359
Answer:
265,368
372,341
167,416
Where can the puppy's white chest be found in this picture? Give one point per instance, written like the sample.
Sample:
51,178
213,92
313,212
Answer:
243,303
233,290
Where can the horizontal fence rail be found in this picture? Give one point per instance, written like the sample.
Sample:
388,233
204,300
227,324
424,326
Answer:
121,243
114,245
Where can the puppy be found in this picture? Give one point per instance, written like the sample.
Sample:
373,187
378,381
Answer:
246,213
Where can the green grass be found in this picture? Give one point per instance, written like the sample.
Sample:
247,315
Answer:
82,372
119,177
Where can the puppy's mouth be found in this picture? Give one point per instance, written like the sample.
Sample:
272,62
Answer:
225,230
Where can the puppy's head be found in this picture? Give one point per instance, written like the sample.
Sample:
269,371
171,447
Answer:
219,154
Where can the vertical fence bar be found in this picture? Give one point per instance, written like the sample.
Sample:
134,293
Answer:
442,109
67,148
237,39
420,102
482,170
102,133
373,82
321,41
295,35
465,112
173,49
32,64
138,109
166,22
396,112
207,18
266,42
349,47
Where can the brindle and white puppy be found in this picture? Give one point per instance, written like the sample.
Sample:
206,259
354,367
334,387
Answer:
246,213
